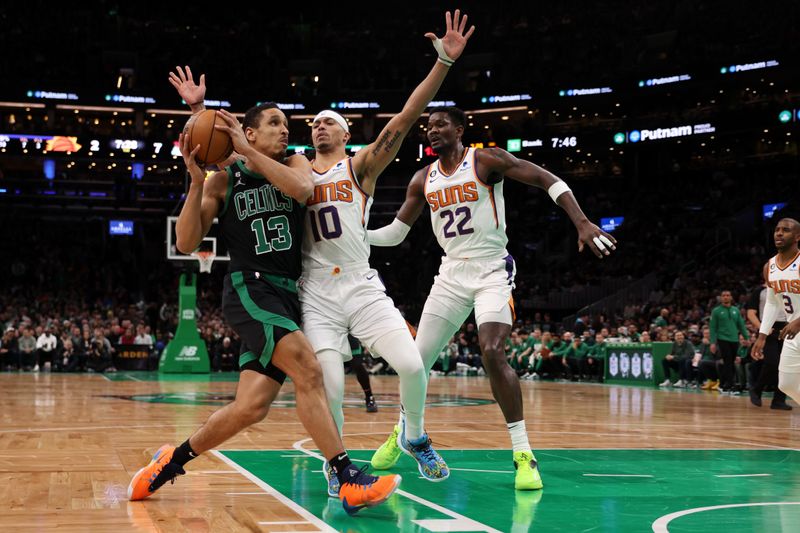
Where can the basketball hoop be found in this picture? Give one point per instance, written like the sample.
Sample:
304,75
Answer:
205,258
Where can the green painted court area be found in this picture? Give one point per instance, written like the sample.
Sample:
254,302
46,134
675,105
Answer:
585,490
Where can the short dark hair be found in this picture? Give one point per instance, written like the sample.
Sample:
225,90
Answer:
457,116
252,116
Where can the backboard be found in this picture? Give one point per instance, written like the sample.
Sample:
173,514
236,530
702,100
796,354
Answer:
210,242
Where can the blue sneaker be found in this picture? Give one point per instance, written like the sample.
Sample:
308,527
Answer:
431,465
332,479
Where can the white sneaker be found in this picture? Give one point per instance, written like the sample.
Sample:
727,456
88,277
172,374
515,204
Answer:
665,383
534,376
680,384
36,368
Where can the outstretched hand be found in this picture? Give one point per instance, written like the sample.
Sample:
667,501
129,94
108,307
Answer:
454,40
183,82
598,241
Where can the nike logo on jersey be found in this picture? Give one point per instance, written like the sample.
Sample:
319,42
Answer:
370,277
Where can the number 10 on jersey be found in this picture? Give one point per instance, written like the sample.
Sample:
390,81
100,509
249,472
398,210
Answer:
325,223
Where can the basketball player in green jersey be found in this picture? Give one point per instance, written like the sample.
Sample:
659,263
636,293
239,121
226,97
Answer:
260,209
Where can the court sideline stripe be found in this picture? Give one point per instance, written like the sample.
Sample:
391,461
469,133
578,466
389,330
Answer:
291,504
436,507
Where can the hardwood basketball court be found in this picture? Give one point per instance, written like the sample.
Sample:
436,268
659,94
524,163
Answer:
613,458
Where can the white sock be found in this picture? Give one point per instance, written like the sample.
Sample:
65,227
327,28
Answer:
519,436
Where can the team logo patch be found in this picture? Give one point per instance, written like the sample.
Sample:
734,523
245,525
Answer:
433,176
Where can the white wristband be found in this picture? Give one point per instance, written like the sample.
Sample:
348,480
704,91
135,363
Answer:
443,57
557,189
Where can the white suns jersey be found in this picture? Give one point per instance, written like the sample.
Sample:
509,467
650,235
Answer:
467,215
335,230
786,284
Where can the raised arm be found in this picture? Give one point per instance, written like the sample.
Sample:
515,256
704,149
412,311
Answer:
194,95
202,201
409,212
292,178
373,159
494,163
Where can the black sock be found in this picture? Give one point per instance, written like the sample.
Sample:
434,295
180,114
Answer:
183,454
368,393
344,469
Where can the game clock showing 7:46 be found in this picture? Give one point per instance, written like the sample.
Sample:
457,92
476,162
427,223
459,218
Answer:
564,142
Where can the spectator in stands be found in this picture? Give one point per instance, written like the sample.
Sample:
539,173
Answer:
69,360
595,358
226,356
143,338
575,358
448,357
128,337
100,336
581,324
45,349
9,350
27,349
662,320
99,357
679,359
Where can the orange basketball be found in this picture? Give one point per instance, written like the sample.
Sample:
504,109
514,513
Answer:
215,145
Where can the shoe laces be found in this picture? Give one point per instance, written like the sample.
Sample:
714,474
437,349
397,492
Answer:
524,458
425,449
362,478
169,472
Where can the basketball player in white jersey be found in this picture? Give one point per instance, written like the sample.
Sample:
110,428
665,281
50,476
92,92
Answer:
782,276
464,190
339,292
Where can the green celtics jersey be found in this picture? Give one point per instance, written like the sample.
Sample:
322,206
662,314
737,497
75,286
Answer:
261,225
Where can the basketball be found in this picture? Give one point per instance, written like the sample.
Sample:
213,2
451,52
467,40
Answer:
215,145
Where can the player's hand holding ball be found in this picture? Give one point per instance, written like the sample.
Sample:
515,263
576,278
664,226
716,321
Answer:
228,124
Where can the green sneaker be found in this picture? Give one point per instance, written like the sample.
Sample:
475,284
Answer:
388,454
527,468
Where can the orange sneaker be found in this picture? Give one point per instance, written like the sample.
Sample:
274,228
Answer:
365,490
150,478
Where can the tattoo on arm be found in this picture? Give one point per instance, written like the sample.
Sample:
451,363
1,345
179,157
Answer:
393,141
381,142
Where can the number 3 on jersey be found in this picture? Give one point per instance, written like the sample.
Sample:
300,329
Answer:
787,305
277,223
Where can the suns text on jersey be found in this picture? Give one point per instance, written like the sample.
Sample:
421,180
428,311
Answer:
454,194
